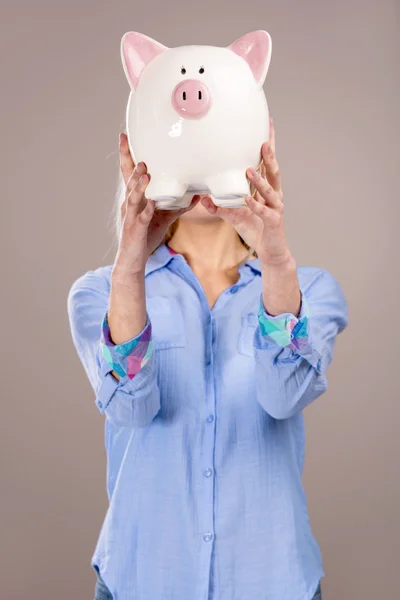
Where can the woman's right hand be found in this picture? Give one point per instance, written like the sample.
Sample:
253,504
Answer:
143,227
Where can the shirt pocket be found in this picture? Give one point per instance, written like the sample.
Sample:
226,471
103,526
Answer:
168,327
249,324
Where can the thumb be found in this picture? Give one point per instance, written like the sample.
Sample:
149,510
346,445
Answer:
173,215
193,203
209,205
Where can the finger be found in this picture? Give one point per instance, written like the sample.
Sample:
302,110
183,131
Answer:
148,212
260,209
272,134
127,164
266,213
271,166
132,182
209,205
234,216
130,172
270,196
169,216
135,200
195,200
133,179
135,176
173,215
263,170
227,214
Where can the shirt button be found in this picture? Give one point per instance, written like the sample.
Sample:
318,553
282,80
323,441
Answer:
207,537
99,404
210,418
207,473
234,289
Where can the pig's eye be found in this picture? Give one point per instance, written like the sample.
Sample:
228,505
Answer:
201,70
183,71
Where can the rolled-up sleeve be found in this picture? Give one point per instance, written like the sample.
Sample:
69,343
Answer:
293,353
134,399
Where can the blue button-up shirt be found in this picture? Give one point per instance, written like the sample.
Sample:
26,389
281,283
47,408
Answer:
205,444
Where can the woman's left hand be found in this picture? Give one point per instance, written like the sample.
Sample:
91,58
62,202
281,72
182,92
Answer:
261,223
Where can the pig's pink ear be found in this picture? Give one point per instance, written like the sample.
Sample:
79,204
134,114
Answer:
255,48
137,50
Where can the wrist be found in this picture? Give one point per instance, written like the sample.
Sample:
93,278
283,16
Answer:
280,287
285,262
123,276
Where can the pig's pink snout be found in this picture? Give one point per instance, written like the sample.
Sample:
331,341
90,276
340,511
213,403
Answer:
191,99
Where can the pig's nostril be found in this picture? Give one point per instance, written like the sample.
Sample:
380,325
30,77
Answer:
199,94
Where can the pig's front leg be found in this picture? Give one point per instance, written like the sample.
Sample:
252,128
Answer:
229,189
168,193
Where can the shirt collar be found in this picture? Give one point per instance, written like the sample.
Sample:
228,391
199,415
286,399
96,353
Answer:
163,255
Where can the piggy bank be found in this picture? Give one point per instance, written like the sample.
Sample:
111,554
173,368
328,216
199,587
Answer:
197,116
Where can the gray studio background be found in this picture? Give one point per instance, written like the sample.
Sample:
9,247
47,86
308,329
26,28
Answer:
332,88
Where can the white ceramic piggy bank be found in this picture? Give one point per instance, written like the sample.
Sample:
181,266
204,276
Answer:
197,116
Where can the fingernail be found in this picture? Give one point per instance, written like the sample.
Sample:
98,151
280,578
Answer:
143,180
140,167
252,173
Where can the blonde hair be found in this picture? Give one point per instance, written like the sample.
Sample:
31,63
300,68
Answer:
119,199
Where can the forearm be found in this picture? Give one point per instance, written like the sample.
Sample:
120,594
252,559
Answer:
280,288
286,385
127,306
293,351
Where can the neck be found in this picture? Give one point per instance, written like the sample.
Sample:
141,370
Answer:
212,246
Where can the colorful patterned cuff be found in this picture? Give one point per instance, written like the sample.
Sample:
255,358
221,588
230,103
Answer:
286,329
131,356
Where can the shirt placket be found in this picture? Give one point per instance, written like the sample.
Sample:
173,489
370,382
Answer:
208,453
210,423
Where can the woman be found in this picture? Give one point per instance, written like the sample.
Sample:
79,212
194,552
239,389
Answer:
203,357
